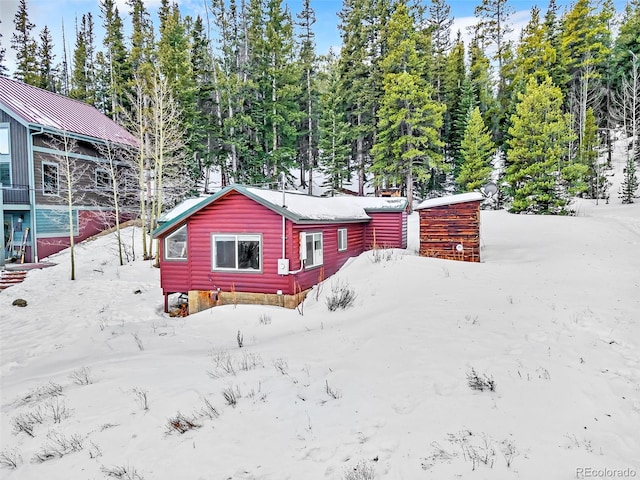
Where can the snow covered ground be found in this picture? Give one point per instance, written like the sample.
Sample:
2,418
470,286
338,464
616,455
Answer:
97,381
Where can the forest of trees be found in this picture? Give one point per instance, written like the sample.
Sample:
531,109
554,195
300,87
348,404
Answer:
404,104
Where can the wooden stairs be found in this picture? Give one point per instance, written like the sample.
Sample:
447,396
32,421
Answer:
9,278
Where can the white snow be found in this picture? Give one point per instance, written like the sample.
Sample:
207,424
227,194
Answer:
451,200
552,314
313,208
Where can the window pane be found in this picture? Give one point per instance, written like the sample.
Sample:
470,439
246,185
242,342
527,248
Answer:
248,253
4,141
5,177
103,179
310,256
176,244
225,252
50,178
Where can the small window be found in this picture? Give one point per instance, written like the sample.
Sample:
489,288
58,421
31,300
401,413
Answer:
5,174
103,179
4,140
50,179
175,245
236,252
311,249
342,239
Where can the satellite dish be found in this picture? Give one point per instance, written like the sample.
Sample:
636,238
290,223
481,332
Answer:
489,190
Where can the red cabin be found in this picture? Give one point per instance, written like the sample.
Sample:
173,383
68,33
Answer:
248,245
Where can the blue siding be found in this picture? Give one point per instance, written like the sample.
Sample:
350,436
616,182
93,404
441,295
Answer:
55,222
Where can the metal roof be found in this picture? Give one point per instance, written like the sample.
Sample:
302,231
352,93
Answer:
299,208
38,107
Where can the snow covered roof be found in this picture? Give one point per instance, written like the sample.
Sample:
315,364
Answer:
451,200
298,207
36,106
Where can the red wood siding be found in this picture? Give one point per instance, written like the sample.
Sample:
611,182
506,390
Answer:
386,230
332,258
443,228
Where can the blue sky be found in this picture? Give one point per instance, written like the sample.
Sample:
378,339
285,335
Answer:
54,12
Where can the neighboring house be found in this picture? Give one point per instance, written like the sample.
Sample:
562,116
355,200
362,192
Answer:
450,227
38,130
249,245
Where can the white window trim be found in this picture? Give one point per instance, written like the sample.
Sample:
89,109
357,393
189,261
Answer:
186,246
44,192
342,234
7,155
95,178
253,236
318,258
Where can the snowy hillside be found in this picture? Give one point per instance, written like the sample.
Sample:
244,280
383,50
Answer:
98,383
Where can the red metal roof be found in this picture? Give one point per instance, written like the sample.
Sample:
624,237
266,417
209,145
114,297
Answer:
51,110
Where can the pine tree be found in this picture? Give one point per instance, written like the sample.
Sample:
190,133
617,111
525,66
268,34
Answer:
467,103
480,75
116,64
626,44
477,150
47,73
25,46
3,51
308,139
455,75
334,148
539,141
630,182
440,22
83,73
407,144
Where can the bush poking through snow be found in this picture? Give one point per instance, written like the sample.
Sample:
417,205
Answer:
480,382
58,446
57,410
51,389
332,392
10,458
265,319
226,364
509,451
231,395
181,424
362,471
82,376
25,421
142,397
122,472
209,410
342,296
240,339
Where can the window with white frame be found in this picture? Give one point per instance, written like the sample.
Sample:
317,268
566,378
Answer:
103,179
5,155
311,249
236,252
175,245
4,139
50,179
342,239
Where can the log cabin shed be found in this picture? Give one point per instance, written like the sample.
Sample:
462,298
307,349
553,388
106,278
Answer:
249,245
450,227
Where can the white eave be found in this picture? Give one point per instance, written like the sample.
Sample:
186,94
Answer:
451,200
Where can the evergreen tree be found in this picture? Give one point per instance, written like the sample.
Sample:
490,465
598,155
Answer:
116,64
630,182
308,139
334,148
627,43
480,76
3,51
407,144
539,141
552,36
461,117
25,46
83,73
440,22
360,22
47,72
455,75
477,150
